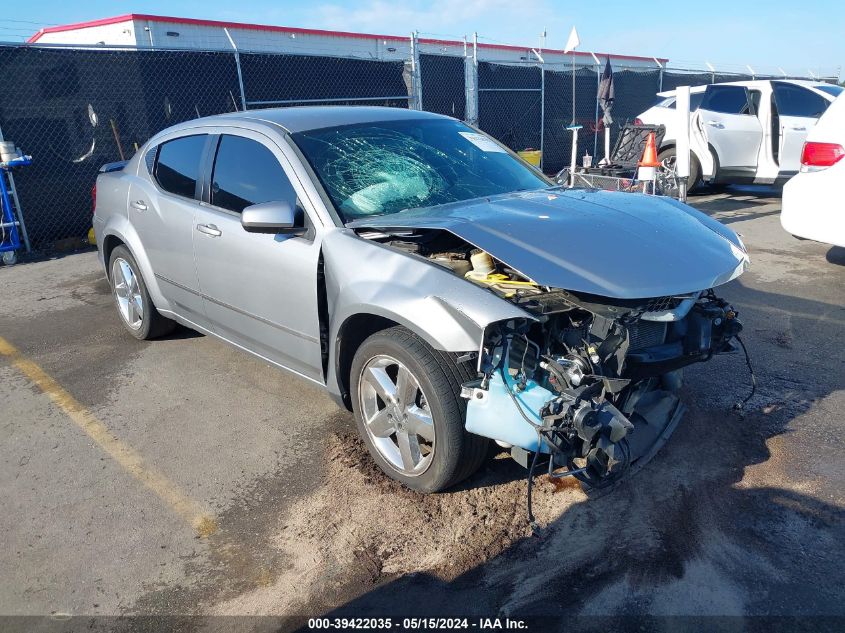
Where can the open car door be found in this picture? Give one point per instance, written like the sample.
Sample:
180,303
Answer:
727,119
794,111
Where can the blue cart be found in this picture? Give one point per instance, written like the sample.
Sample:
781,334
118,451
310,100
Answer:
10,226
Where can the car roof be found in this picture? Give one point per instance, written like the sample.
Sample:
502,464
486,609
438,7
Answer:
303,118
751,83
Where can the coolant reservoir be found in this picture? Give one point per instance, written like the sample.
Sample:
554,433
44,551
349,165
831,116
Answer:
482,266
484,272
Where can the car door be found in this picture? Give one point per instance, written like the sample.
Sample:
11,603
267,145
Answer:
727,119
162,209
795,110
260,290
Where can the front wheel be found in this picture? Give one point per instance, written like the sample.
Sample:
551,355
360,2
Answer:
407,404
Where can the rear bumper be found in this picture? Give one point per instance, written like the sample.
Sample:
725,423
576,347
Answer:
814,206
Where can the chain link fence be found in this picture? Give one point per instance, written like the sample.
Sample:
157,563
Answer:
75,108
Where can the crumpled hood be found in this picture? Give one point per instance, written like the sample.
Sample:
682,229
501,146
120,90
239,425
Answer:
619,245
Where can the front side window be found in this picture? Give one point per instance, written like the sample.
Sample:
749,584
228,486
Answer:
246,173
385,167
177,168
794,100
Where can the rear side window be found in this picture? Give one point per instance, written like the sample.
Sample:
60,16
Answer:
831,90
794,100
725,99
245,173
177,168
694,101
150,159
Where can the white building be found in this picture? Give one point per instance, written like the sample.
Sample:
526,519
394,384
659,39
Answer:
146,31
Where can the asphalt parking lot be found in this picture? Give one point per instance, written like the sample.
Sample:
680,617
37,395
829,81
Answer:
181,476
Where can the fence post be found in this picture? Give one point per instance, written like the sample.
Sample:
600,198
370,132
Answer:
238,66
660,75
712,72
471,83
416,79
596,119
542,102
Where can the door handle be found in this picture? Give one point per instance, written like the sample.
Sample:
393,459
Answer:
798,128
209,229
716,124
139,204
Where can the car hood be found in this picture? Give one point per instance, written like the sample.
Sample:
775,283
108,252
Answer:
617,245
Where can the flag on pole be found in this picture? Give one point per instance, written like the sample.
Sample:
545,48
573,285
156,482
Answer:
607,93
573,42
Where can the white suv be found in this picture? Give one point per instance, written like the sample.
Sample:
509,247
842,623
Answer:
743,131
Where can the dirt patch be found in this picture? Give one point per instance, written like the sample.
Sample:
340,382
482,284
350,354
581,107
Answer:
360,529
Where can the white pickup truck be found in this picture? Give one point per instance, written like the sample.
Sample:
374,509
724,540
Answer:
743,131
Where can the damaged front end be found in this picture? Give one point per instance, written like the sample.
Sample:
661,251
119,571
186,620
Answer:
589,376
592,382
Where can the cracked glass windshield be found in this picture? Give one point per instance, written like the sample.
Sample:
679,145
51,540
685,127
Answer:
389,166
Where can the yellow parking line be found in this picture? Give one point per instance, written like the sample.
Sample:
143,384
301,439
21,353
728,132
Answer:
123,454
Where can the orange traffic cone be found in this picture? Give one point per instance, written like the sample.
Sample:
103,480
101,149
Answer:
650,153
648,165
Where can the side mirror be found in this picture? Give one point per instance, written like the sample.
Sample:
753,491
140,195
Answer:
271,217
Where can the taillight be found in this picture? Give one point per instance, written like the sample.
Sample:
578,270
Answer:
93,198
817,156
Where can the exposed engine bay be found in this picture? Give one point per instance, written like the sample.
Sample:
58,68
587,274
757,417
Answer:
588,386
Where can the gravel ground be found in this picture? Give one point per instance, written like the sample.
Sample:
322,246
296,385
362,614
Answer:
740,514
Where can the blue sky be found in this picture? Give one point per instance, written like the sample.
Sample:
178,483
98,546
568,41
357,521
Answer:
796,36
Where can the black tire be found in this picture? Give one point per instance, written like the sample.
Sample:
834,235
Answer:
153,324
457,454
694,180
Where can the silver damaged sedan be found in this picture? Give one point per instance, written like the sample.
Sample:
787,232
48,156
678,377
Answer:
435,284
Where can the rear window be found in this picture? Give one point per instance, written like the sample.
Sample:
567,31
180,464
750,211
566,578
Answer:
177,168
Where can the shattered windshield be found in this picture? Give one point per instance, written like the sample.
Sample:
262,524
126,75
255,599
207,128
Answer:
389,166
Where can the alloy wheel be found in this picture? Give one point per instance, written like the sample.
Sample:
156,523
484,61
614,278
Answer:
396,415
127,293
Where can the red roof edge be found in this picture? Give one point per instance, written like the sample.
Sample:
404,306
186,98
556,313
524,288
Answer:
80,25
303,31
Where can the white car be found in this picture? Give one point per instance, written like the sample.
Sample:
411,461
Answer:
743,131
812,199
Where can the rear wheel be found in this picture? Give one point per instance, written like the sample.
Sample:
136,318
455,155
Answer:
669,168
407,404
137,312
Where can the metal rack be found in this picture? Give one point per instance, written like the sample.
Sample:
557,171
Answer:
12,227
620,173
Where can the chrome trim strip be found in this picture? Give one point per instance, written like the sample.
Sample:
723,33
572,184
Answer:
675,314
302,335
